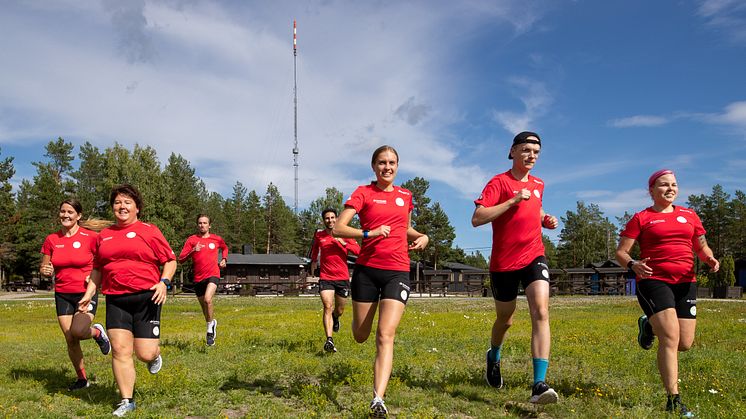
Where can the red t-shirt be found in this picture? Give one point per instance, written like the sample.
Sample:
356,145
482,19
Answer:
129,257
516,234
206,260
375,208
668,239
72,258
333,255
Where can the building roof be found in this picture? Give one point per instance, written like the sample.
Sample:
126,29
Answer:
259,259
455,266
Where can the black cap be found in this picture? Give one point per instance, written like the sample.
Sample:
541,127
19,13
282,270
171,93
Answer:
522,138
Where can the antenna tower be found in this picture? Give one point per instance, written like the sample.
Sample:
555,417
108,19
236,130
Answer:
295,115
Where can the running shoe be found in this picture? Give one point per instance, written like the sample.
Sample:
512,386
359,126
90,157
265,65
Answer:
79,384
378,408
335,323
123,407
155,365
543,394
329,346
645,336
674,405
492,375
103,339
211,336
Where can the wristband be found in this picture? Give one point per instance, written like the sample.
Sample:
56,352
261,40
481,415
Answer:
167,282
631,263
365,234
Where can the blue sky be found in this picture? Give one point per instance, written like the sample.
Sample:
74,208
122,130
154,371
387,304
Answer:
617,90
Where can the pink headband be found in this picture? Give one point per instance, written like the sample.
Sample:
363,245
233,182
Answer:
656,175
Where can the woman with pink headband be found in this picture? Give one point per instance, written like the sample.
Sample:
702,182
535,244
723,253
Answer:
666,282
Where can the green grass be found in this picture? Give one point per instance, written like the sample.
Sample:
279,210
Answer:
269,362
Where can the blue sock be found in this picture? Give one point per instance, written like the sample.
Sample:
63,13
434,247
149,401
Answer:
495,352
540,369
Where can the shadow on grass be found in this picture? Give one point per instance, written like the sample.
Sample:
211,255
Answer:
448,383
293,387
56,380
185,345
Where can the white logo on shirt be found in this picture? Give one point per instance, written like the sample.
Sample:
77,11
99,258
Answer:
59,246
693,310
76,244
681,219
211,246
131,235
379,201
657,221
537,193
399,202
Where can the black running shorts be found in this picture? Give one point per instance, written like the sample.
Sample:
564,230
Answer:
67,303
505,284
370,285
134,312
655,296
341,288
200,288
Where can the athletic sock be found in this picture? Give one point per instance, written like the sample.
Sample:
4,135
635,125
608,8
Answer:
495,352
81,374
540,369
211,326
95,333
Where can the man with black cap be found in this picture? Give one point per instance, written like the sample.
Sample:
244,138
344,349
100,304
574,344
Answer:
512,202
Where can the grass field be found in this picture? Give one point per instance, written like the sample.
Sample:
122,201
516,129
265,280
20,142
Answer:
269,362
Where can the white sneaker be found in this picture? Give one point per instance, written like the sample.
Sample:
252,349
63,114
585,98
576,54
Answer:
123,407
378,408
155,365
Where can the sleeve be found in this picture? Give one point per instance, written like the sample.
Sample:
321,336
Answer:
223,249
353,247
356,200
47,246
92,243
187,248
632,229
699,229
160,246
97,263
314,248
490,195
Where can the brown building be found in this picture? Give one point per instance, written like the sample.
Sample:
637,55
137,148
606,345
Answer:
263,274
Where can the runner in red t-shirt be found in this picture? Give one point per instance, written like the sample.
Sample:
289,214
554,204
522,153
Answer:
203,249
334,278
512,203
68,255
129,255
666,284
381,275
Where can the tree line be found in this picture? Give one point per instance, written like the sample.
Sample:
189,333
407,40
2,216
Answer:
174,195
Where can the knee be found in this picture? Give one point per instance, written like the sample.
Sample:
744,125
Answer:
147,355
685,346
328,307
540,314
503,323
360,337
385,337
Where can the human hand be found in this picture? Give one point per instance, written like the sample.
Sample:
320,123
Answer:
161,291
47,270
222,263
642,269
522,195
383,230
198,247
550,222
420,242
713,264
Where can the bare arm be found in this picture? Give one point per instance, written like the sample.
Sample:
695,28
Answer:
160,289
94,282
483,215
46,268
641,269
342,227
419,240
548,221
705,254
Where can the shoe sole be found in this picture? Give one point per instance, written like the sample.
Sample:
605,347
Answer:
160,365
378,412
101,329
641,332
548,397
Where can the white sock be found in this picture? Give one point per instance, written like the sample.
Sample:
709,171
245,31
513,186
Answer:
211,326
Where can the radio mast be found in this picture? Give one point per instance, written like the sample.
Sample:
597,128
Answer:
295,115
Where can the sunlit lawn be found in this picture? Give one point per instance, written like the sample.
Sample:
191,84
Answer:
269,362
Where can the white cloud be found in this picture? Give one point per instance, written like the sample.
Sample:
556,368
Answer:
639,121
727,15
536,100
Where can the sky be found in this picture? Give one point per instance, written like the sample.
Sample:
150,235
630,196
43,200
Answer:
616,89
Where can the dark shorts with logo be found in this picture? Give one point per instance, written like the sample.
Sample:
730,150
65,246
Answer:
341,288
200,288
134,312
505,284
655,296
67,303
370,285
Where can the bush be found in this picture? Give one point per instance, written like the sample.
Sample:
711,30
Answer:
725,277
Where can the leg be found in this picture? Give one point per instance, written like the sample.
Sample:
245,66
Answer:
362,319
389,317
537,294
81,326
339,305
666,326
122,343
503,320
327,298
73,345
147,349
